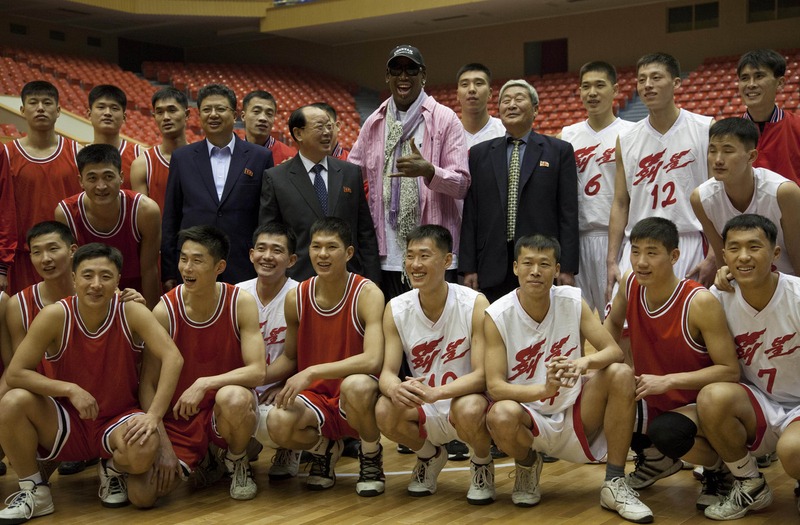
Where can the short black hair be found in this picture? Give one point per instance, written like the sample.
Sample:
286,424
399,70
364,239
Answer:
212,239
600,67
474,66
98,154
656,229
327,108
538,241
668,61
440,236
336,226
769,58
170,92
751,221
108,91
39,87
297,120
95,250
277,228
48,227
743,129
257,94
216,89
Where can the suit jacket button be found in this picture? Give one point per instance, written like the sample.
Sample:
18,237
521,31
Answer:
219,214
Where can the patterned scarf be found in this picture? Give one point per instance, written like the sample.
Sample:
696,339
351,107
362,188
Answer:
401,194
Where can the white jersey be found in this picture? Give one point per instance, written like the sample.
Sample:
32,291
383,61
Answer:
596,162
439,351
271,320
494,128
531,345
767,341
719,209
661,171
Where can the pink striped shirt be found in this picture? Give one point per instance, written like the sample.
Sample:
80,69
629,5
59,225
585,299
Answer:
441,199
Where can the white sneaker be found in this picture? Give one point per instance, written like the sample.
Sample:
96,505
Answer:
113,489
31,501
617,496
526,483
285,464
425,474
716,485
371,480
745,495
321,476
651,466
243,486
481,485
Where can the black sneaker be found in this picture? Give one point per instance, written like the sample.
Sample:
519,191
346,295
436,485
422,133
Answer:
716,485
68,468
3,468
402,449
371,481
547,459
497,453
457,451
352,447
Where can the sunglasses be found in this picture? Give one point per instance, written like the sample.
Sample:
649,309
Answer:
411,71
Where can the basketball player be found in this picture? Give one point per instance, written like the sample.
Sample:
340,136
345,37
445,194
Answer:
258,114
594,141
334,343
124,219
761,413
36,172
660,161
679,344
107,106
150,170
272,253
89,408
474,91
533,375
438,329
737,187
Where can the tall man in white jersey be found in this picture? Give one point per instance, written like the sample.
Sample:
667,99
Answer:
273,252
762,412
594,141
662,159
438,329
474,92
737,187
533,374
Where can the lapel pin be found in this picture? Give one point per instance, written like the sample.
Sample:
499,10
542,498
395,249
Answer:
346,189
248,172
544,164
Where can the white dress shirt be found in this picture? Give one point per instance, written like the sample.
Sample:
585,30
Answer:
220,163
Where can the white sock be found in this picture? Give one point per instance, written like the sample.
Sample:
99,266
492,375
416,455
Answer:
230,456
745,467
109,465
715,466
481,461
428,450
370,448
36,478
321,447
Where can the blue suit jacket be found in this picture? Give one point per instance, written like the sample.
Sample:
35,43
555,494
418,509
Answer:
192,200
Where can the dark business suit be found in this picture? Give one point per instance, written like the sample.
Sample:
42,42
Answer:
548,204
288,196
191,200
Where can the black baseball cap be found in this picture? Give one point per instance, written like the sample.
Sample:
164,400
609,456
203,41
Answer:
408,52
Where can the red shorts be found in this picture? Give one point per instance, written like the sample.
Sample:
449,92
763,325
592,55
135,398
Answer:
332,422
190,438
82,439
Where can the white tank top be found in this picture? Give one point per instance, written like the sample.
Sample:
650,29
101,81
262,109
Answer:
597,168
719,209
661,171
271,320
767,342
531,345
439,351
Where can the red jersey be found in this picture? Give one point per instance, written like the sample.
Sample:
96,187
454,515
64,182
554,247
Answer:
280,151
777,145
124,236
339,152
30,304
128,151
37,186
103,363
157,175
326,336
661,342
210,347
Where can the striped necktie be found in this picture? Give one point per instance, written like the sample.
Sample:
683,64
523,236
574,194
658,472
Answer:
513,190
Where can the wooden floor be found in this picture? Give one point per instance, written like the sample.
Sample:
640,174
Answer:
570,495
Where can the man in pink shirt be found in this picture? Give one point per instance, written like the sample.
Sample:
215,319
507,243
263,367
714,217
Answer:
412,150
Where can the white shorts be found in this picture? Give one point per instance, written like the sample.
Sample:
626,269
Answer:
434,422
591,278
561,435
771,421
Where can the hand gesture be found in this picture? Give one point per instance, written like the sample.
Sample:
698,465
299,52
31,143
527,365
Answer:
140,425
294,385
165,467
650,385
723,279
569,372
129,294
187,404
414,165
552,382
407,395
613,276
84,403
268,396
